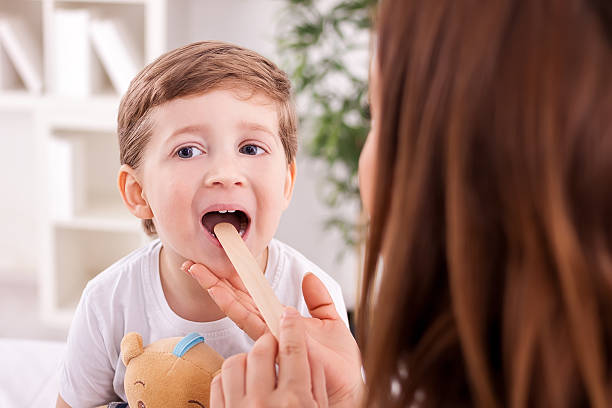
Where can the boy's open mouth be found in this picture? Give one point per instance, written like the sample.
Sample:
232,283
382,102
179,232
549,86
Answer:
237,218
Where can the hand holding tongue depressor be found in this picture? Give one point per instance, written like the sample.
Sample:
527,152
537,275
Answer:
245,264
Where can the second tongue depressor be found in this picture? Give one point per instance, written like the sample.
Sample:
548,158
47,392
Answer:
252,276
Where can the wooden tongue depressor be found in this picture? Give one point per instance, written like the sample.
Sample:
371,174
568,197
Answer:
251,275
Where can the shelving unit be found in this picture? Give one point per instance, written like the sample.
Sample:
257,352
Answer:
67,138
86,228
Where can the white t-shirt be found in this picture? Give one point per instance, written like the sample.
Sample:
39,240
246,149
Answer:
128,297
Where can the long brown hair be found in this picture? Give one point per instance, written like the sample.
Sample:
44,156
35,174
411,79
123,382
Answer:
488,273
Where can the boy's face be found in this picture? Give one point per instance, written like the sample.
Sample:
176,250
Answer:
209,154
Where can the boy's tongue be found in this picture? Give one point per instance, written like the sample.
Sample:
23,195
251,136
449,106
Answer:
238,219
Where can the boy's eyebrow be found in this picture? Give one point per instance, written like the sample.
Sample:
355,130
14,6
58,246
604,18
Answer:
190,129
255,126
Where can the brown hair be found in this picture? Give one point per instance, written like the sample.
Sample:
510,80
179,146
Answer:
493,208
195,69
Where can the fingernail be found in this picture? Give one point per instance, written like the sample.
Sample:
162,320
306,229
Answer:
186,266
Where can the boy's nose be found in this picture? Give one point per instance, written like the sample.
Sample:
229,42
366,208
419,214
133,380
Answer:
224,176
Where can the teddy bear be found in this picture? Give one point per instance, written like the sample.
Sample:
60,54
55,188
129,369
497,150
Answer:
171,372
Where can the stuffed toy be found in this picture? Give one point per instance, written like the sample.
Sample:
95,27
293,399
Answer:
168,373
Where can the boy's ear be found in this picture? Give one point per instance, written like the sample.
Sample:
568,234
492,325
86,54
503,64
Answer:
289,183
132,193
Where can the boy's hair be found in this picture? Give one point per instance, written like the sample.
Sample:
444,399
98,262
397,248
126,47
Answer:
195,69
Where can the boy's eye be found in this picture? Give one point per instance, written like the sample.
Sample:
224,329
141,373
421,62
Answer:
188,152
251,150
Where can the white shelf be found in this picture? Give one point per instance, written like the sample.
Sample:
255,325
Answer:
93,113
81,254
86,226
103,217
76,256
18,100
141,2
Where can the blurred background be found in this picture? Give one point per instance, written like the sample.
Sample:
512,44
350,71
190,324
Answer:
64,65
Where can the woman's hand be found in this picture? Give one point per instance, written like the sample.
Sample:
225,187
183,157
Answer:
232,297
251,380
329,340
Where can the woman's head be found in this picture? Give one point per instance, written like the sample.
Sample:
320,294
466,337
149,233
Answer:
492,207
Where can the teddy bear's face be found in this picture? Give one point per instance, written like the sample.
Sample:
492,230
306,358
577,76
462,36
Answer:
160,377
176,382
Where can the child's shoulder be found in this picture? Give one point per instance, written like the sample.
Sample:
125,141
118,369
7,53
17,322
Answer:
291,261
288,267
125,271
286,253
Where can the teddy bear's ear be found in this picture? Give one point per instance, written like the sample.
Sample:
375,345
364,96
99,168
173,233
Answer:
131,346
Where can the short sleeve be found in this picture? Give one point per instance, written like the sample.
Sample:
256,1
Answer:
86,374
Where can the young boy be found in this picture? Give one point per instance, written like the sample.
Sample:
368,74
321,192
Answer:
207,133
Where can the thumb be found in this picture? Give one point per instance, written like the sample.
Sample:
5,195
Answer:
318,300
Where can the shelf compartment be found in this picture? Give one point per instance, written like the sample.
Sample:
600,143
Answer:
21,46
79,255
104,41
83,169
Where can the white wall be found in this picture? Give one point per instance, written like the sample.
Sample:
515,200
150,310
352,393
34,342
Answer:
250,24
302,227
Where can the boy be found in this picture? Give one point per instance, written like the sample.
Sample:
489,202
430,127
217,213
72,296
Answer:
207,133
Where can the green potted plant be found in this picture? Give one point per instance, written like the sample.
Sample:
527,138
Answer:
324,45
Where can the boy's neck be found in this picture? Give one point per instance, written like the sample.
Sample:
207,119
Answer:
184,295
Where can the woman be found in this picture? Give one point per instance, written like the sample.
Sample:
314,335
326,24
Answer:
487,177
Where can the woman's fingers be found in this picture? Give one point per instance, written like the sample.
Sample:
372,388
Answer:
254,378
216,393
249,321
247,301
319,302
248,379
202,274
237,283
235,303
294,369
261,373
319,389
207,279
233,374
